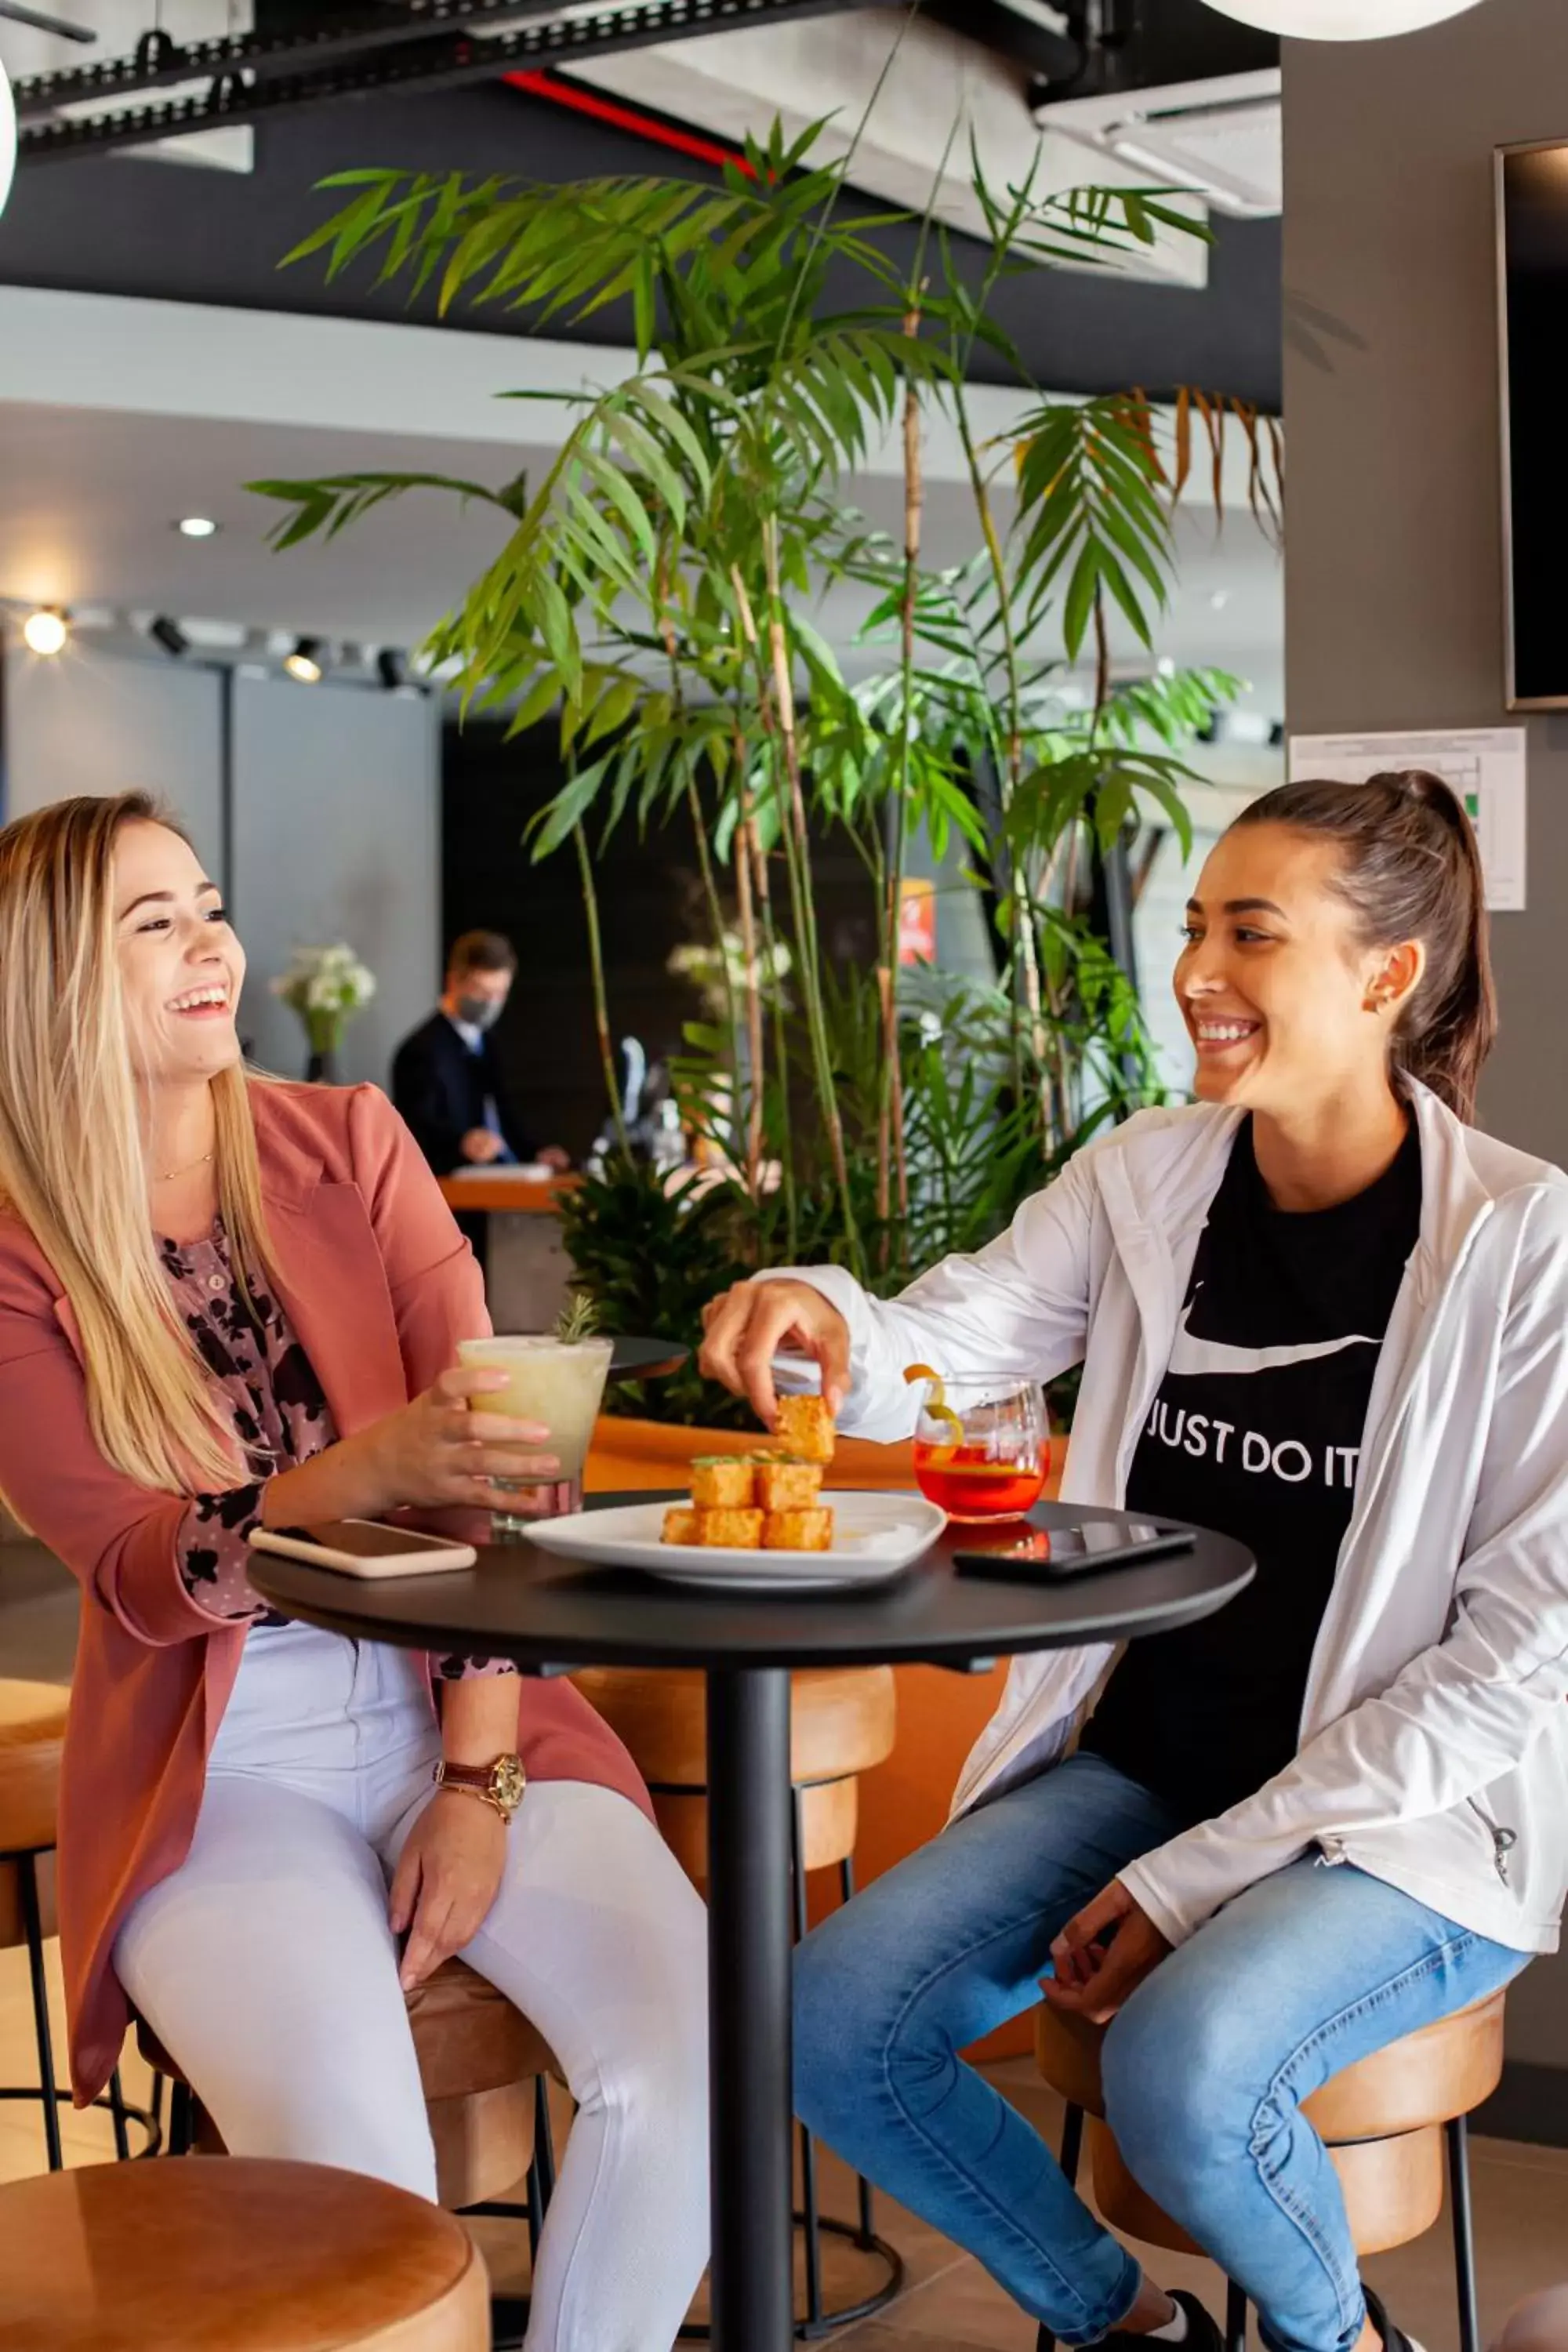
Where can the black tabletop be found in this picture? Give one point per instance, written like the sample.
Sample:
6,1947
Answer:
546,1612
646,1360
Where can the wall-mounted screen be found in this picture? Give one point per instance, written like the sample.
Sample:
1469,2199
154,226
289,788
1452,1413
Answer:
1533,300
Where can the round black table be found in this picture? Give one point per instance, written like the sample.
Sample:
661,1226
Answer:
549,1615
646,1360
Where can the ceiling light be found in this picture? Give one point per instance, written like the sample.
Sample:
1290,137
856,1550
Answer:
305,662
195,527
391,669
169,635
1340,20
1220,598
46,631
1165,666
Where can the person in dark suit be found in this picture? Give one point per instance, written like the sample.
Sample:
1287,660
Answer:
447,1079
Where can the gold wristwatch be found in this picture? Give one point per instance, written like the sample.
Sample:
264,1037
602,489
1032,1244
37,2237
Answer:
499,1784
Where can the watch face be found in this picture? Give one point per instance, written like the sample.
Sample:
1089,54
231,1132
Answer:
507,1781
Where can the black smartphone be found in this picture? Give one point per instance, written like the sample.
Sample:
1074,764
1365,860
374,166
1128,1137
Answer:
1046,1554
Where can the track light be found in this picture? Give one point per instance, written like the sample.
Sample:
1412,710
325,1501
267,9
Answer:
391,669
169,635
307,661
46,631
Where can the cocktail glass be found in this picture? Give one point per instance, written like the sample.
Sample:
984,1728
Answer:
982,1448
558,1382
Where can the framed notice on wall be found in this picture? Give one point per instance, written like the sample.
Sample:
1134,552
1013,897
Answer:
1532,296
1485,765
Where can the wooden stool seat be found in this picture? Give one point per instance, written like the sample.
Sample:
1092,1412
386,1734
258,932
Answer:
478,2060
32,1739
1426,2078
1384,2120
842,1721
234,2256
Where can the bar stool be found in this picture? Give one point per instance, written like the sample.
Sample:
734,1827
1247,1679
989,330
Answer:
842,1721
32,1737
236,2256
1385,2121
484,2069
1539,2326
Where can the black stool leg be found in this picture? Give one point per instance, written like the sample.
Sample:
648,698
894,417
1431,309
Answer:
33,1929
544,2144
117,2111
863,2187
1235,2318
1070,2156
182,2119
1458,2134
808,2197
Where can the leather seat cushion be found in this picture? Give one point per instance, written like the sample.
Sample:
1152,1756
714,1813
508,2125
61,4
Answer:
232,2254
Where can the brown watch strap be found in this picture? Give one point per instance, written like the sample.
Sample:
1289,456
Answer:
466,1776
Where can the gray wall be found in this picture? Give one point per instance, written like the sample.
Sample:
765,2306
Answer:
84,722
1394,568
336,837
327,828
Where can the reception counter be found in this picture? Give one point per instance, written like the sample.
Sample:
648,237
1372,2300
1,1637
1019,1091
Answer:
528,1271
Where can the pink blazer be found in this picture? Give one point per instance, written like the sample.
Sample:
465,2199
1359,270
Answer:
379,1286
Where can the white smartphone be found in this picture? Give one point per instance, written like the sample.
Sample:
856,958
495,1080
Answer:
365,1548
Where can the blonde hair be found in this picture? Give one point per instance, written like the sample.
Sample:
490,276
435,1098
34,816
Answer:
73,1166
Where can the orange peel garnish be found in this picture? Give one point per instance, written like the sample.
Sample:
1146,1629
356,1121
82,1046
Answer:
936,1408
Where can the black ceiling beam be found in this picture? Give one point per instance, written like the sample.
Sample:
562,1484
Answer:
159,61
441,62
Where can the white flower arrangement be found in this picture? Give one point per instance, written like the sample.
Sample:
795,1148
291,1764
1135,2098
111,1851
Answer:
706,966
326,987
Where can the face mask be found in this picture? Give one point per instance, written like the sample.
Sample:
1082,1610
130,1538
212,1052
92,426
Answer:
478,1012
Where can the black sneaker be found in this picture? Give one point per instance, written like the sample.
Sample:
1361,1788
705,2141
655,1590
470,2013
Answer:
1393,2338
1202,2336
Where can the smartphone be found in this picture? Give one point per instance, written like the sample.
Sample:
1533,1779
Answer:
365,1548
1046,1554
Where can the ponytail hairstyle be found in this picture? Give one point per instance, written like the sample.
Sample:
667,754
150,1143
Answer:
1410,869
72,1163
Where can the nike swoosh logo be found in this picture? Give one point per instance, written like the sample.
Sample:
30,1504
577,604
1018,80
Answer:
1190,1355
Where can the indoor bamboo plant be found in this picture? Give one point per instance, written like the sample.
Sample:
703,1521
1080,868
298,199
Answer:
656,593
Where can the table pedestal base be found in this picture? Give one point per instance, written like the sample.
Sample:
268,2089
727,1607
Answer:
749,1956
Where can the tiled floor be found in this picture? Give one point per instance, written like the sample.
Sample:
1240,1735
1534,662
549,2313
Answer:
948,2301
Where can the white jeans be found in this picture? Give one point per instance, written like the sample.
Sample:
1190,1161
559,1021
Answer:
266,1966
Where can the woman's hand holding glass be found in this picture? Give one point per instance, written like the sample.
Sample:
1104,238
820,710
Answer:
443,1451
747,1324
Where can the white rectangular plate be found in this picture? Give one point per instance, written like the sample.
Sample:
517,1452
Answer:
874,1537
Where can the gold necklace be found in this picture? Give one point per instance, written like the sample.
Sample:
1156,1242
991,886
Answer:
169,1175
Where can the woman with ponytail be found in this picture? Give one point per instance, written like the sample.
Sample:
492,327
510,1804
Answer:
228,1303
1318,1310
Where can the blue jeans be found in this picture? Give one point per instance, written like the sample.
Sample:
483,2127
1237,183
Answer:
1204,2070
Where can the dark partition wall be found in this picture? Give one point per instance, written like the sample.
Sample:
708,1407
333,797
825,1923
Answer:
650,900
1532,228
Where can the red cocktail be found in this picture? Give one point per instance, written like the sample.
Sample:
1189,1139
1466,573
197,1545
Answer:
981,1450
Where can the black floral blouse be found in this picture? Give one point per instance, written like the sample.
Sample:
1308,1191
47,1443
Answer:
281,1419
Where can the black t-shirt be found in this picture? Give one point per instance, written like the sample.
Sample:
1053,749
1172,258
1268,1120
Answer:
1257,1432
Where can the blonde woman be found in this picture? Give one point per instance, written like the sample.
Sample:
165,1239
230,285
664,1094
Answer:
227,1303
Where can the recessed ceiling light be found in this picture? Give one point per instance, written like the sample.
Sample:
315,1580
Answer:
196,527
1165,666
46,631
1220,598
306,661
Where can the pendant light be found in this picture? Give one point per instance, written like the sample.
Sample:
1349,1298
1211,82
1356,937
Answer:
1340,20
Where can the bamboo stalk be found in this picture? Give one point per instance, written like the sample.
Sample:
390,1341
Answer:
891,1105
600,994
752,989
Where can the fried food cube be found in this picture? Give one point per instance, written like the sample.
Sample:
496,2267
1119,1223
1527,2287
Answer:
723,1482
806,1428
809,1530
679,1525
729,1530
786,1485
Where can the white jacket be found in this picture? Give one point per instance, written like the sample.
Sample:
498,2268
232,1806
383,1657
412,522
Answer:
1434,1739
